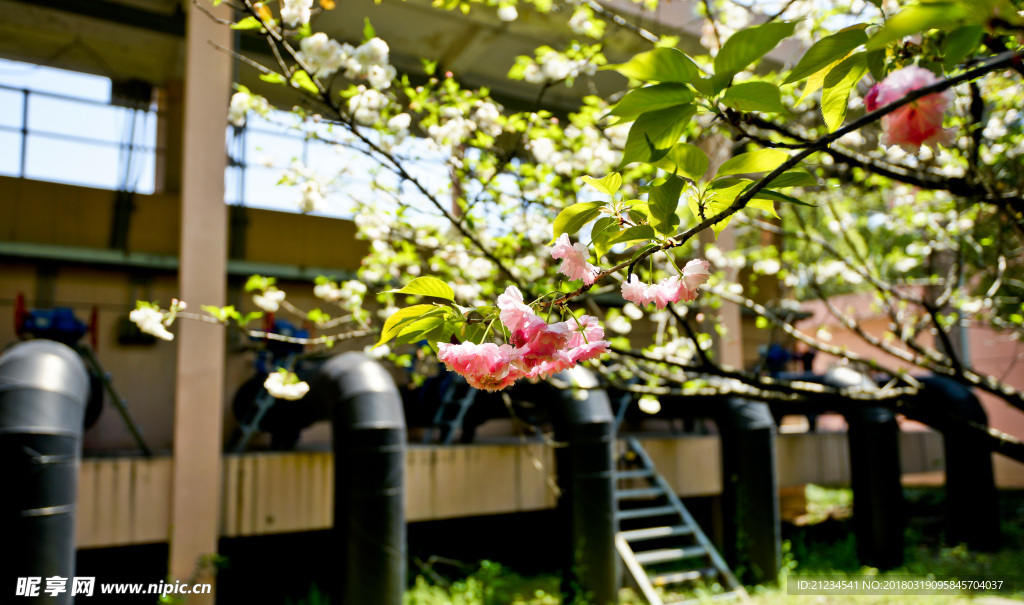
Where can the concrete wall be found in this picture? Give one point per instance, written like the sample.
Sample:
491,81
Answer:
53,250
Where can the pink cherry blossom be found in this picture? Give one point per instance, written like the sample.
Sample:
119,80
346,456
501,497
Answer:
574,259
695,273
586,329
512,309
537,340
486,366
591,350
918,122
635,291
667,290
558,362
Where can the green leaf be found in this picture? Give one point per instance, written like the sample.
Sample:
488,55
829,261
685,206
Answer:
258,282
685,160
959,44
574,217
431,327
659,65
916,19
710,209
721,194
762,160
769,194
643,250
273,78
651,98
394,324
427,286
301,79
368,32
754,96
661,128
749,45
605,229
663,201
641,233
249,317
835,93
639,213
609,184
827,51
815,82
876,64
794,178
247,23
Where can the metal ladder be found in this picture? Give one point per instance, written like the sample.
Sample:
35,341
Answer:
450,412
662,532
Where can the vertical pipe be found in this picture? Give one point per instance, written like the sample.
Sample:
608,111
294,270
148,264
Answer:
44,388
752,528
583,420
368,428
972,501
24,132
878,516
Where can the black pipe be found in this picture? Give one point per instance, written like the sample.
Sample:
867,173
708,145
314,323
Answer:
750,502
583,421
44,388
972,501
368,429
878,515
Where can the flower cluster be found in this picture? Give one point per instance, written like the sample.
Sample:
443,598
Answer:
269,300
554,66
369,61
242,102
283,384
349,294
669,290
918,122
537,349
296,12
151,321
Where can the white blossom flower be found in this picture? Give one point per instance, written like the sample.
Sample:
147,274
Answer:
649,404
380,76
366,105
239,108
285,385
399,125
311,196
296,12
270,300
323,55
372,52
508,12
487,116
150,321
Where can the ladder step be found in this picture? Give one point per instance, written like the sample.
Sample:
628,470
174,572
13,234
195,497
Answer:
722,596
669,554
644,492
648,511
634,474
688,575
652,533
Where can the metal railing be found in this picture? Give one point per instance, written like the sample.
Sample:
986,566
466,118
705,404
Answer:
131,149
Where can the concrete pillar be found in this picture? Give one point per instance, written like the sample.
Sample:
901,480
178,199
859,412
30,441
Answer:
199,384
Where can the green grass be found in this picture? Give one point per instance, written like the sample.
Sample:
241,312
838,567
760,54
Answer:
824,548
